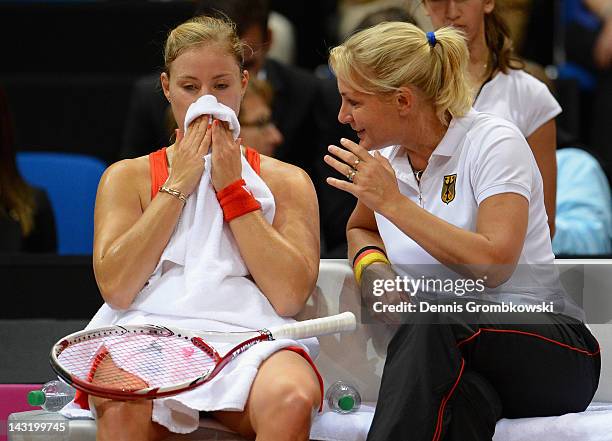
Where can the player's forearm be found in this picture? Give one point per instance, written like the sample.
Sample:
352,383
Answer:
285,274
123,267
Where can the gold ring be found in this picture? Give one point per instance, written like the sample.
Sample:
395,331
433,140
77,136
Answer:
351,175
356,163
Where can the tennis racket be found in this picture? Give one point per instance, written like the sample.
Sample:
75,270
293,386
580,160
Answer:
149,361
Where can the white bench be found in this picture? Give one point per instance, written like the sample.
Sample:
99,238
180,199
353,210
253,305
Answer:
359,358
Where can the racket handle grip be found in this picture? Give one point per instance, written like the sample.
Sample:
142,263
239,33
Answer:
315,327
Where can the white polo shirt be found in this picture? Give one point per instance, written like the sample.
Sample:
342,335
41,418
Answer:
520,98
481,155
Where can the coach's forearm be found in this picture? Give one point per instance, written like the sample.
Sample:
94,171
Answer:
488,256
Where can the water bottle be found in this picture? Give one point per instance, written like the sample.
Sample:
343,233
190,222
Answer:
52,396
343,397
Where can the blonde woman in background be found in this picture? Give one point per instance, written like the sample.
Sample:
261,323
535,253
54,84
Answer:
442,185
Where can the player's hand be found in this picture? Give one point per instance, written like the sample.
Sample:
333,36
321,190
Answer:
226,156
188,156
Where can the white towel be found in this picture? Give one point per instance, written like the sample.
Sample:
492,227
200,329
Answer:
208,105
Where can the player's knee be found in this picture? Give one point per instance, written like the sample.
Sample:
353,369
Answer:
124,414
295,400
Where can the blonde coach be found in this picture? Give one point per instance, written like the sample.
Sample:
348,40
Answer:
450,186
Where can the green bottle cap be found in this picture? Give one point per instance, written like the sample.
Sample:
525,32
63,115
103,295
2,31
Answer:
36,398
346,402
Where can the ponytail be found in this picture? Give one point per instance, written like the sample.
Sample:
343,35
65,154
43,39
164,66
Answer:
449,85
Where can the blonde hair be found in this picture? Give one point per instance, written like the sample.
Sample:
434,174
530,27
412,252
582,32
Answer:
380,59
203,30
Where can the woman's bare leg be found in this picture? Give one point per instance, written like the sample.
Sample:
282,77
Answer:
283,397
124,420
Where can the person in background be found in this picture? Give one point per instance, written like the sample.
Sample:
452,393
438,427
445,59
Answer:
584,211
353,12
257,129
392,13
500,84
445,190
27,223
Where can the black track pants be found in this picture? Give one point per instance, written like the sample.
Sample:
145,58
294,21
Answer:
454,381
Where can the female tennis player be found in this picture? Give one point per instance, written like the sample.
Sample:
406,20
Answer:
205,235
442,185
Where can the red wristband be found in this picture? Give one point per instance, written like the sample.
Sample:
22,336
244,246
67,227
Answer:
236,200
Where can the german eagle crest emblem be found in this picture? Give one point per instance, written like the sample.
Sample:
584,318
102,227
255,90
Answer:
448,188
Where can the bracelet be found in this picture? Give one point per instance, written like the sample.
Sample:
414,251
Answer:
236,200
365,257
173,192
364,249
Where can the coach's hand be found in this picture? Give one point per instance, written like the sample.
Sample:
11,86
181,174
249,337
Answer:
371,179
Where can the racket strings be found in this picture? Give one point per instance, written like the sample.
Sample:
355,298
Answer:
137,361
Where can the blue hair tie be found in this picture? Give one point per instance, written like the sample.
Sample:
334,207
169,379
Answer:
431,38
